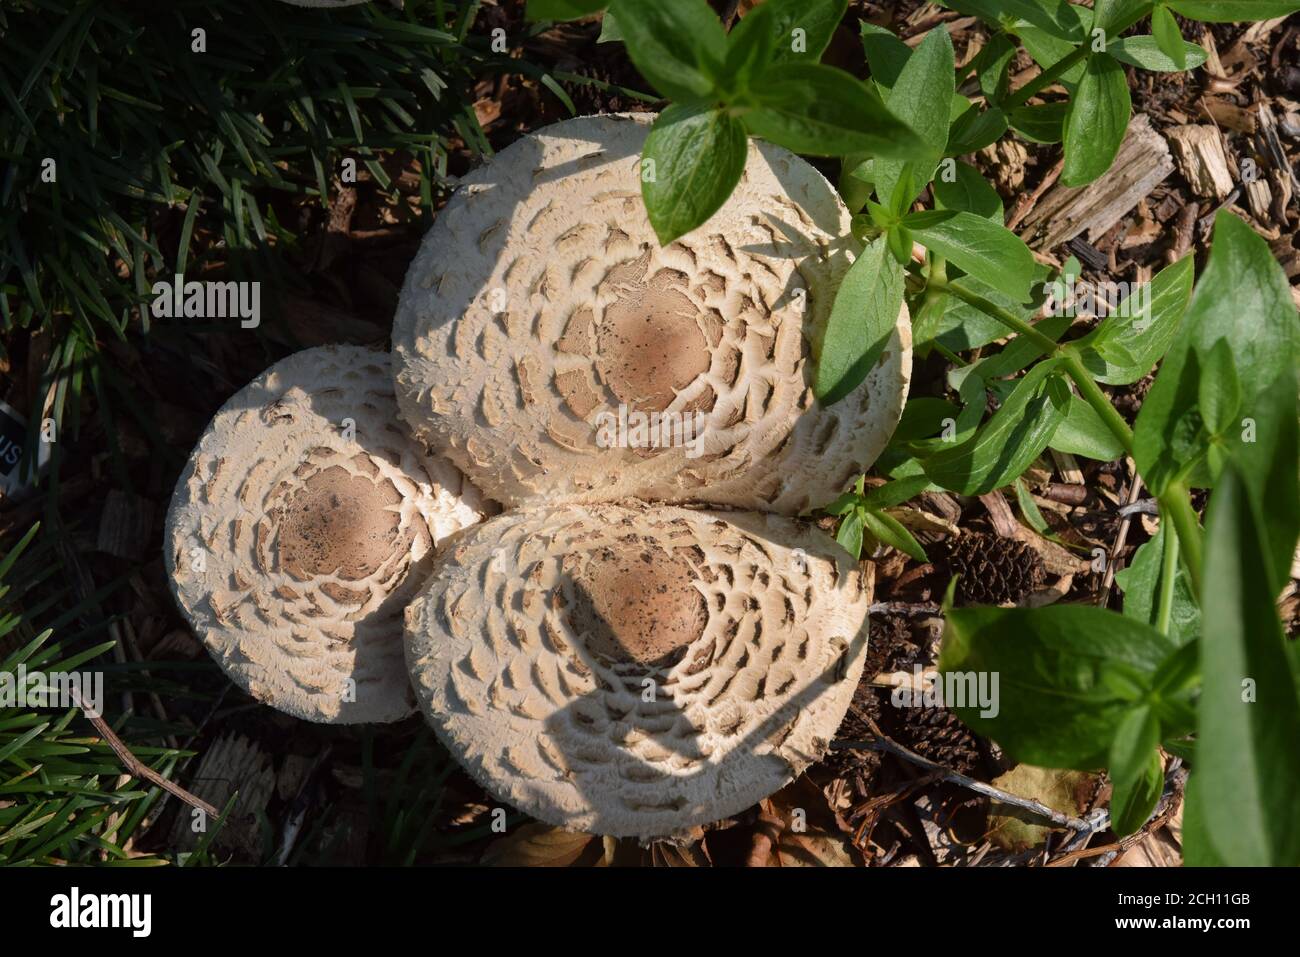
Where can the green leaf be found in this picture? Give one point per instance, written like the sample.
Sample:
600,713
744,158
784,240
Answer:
1219,392
986,250
609,30
821,111
563,9
1249,711
1115,15
1010,441
1242,297
1096,122
1051,16
920,98
1130,341
895,493
975,129
817,19
862,319
889,531
1232,11
966,191
1270,465
1141,584
850,533
1132,752
1169,39
1029,508
698,155
749,48
899,240
886,54
1042,123
1147,54
1048,50
1082,432
959,326
1197,849
992,66
1068,675
678,45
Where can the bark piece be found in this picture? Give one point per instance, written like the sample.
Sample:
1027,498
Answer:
125,524
1066,212
1199,153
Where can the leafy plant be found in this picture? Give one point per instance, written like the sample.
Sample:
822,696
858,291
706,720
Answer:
1196,663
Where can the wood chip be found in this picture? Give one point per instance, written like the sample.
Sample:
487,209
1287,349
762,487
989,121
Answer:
231,763
125,525
1065,212
1199,153
1228,114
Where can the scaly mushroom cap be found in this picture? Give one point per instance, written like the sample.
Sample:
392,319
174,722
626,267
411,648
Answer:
633,669
303,523
542,331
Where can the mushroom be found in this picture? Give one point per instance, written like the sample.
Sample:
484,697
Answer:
633,669
304,521
555,352
325,3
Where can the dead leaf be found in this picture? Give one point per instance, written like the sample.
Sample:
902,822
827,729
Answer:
539,845
1066,791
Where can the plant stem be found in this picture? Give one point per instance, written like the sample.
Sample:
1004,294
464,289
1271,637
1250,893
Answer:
1168,570
1007,318
1081,52
1047,77
1092,394
1176,503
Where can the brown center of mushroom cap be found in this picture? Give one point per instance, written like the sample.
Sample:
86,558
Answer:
650,342
338,522
635,603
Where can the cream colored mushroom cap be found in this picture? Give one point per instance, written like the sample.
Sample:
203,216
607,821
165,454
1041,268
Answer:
542,328
303,523
636,670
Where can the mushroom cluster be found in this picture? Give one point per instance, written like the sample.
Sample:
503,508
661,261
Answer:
647,638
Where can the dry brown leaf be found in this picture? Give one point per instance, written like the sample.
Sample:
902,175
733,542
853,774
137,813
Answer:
540,845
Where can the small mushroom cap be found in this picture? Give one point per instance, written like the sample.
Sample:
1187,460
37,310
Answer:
633,669
555,352
304,521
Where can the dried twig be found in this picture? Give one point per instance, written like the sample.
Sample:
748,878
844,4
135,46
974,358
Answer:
884,743
135,766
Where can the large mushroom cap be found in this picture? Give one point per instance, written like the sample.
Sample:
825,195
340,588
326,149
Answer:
636,670
542,324
303,523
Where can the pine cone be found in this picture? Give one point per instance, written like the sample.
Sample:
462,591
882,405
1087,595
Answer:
992,569
934,733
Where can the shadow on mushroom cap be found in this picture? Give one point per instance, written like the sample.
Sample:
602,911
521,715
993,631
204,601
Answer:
534,645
